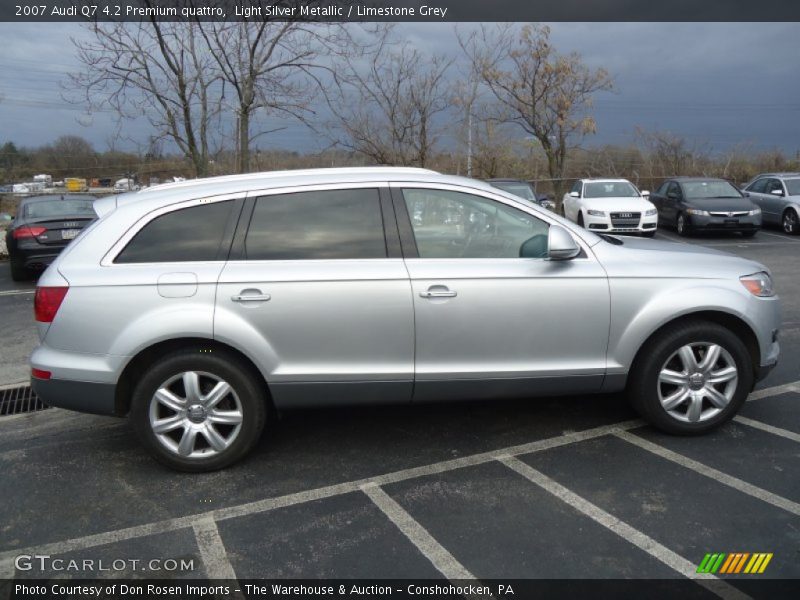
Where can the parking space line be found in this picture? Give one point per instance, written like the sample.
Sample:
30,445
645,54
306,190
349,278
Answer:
786,239
440,557
789,435
719,476
623,530
212,550
267,504
775,390
17,292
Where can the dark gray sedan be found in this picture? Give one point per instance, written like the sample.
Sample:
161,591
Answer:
693,204
42,228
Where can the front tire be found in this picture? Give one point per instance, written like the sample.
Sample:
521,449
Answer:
580,219
790,222
198,410
691,378
682,226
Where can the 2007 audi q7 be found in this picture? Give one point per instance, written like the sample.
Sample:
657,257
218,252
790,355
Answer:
195,307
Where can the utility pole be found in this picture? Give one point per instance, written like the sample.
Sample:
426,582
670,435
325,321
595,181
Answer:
469,142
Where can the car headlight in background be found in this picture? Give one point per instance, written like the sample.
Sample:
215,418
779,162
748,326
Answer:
697,212
754,212
596,213
651,212
758,284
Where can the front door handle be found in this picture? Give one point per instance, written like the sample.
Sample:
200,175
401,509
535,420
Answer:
438,294
251,296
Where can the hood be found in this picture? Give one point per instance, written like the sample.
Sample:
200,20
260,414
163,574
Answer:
619,204
646,258
720,204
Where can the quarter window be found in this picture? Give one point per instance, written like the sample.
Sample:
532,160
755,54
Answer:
330,224
186,235
457,225
757,186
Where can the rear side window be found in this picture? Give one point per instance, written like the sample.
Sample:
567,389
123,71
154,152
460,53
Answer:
188,235
331,224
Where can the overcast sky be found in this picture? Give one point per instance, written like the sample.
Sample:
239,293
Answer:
717,83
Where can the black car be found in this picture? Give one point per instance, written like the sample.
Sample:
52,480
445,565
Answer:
42,228
524,189
692,204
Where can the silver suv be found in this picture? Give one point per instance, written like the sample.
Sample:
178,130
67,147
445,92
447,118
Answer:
196,307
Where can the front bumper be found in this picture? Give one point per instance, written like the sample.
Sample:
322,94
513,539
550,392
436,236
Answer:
606,224
83,396
716,223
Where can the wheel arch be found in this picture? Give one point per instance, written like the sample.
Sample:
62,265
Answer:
737,325
139,363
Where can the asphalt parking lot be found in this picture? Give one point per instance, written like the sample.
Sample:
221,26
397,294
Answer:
571,487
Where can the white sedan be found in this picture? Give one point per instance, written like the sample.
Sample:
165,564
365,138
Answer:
611,206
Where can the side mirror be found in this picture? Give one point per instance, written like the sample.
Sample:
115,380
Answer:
575,194
777,192
645,193
561,245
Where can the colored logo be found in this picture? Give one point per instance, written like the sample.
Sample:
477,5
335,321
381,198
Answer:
737,562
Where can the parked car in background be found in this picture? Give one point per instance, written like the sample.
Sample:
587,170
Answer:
524,189
610,206
42,228
692,204
126,184
195,307
778,197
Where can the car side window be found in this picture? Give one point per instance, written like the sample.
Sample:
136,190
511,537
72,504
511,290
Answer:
450,224
773,185
329,224
662,190
757,186
191,234
674,191
577,187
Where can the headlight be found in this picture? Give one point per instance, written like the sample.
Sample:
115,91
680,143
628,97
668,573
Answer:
754,212
758,284
699,213
651,213
596,213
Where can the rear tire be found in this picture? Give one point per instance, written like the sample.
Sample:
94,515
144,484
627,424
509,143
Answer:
790,222
188,420
19,272
667,393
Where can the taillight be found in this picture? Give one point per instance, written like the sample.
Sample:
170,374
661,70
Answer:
28,232
47,301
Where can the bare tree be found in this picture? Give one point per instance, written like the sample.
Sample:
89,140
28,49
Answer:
155,70
385,108
671,154
545,93
273,67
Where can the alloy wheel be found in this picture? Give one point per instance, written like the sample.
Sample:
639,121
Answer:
195,414
790,223
697,382
681,225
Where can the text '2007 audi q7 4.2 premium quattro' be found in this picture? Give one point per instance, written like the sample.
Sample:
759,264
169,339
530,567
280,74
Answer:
195,307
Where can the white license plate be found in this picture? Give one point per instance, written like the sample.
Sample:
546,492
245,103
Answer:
69,234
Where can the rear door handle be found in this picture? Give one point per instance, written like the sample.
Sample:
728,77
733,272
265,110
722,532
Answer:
252,296
438,294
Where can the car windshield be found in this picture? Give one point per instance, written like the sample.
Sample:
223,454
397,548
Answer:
59,208
523,190
710,189
609,189
792,186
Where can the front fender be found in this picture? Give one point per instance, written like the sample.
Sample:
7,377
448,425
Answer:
639,309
